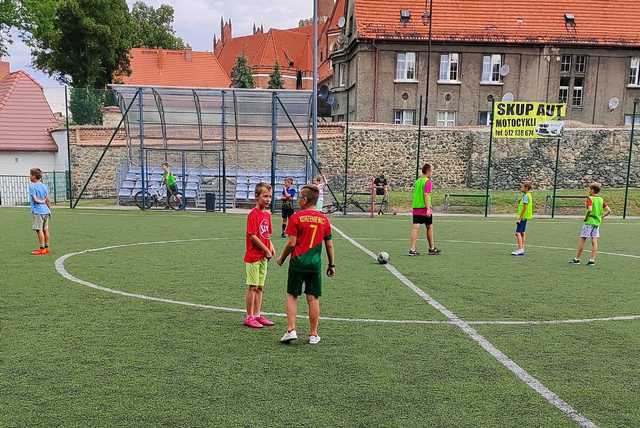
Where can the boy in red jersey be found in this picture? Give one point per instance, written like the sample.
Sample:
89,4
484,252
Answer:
259,250
307,230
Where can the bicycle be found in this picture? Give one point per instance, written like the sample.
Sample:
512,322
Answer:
152,197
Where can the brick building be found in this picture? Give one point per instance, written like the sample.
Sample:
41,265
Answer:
290,48
571,51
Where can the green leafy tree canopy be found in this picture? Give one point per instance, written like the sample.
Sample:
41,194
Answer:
241,76
153,28
8,20
275,78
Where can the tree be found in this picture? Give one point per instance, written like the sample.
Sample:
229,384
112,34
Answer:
83,42
153,28
241,76
275,78
8,20
85,105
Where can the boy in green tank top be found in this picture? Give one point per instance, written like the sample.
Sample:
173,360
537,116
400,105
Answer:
524,213
422,212
597,210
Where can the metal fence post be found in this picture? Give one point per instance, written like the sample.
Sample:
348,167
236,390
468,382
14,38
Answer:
274,146
224,157
55,190
141,140
486,197
66,107
346,160
633,129
555,180
419,137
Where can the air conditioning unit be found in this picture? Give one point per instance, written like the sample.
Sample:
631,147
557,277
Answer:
405,15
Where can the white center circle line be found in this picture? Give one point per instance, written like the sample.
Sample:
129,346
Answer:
61,270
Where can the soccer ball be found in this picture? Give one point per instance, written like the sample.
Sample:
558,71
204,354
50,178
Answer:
383,257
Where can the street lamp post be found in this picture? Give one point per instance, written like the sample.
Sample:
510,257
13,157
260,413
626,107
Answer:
428,16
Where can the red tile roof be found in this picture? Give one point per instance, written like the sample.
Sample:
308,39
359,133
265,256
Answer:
597,22
25,115
163,67
291,48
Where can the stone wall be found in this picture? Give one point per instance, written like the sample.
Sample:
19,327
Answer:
459,157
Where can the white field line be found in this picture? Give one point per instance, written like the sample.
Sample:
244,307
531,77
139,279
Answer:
507,362
60,268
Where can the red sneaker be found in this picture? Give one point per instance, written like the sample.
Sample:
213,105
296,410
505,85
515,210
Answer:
38,252
265,322
45,251
251,322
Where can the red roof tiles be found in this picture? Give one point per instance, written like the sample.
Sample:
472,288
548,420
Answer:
25,115
163,67
597,22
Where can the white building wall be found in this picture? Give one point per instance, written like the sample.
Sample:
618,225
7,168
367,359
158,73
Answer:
19,163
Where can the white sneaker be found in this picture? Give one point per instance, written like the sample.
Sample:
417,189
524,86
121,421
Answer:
314,340
289,336
518,253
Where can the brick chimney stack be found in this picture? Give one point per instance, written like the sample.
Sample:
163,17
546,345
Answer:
325,7
5,68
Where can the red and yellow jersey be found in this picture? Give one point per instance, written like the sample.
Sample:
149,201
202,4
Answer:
311,228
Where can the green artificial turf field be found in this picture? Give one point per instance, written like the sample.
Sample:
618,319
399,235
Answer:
77,356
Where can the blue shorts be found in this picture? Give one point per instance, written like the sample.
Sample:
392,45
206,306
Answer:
521,227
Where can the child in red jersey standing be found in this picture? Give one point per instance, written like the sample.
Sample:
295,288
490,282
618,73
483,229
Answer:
259,250
306,231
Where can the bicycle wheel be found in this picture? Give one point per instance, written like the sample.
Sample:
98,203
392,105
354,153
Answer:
177,201
147,200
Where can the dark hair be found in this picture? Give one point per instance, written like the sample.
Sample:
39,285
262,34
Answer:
288,180
310,193
36,172
426,168
527,185
260,187
595,187
165,164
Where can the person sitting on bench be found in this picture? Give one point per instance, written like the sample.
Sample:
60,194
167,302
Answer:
381,186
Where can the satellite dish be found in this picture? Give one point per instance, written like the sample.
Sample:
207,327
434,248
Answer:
341,22
508,97
504,70
614,103
331,100
323,93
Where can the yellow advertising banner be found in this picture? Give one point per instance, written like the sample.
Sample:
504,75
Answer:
521,119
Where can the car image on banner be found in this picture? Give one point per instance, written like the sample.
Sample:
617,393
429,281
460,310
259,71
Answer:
552,128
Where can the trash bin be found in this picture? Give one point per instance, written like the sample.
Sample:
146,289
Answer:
210,203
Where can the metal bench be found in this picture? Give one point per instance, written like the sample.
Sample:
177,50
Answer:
472,196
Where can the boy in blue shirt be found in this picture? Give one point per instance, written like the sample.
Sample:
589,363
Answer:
40,211
287,197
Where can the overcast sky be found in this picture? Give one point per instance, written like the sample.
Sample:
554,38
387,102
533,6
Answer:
196,21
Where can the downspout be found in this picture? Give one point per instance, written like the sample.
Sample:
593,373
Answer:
375,82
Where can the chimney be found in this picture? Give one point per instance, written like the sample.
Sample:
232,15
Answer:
254,28
5,68
188,54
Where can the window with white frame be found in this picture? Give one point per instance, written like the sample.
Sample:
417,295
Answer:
449,67
629,117
342,74
491,68
634,72
484,118
563,94
404,117
565,64
581,64
446,118
406,66
578,92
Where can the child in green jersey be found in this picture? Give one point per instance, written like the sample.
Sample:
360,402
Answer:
422,212
169,180
524,213
597,210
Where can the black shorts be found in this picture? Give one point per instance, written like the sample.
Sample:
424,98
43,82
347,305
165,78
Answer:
379,191
287,211
172,190
427,220
312,282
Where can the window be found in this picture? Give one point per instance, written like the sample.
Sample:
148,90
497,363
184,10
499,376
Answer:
298,79
404,117
563,96
491,68
340,118
578,91
565,64
628,118
449,66
581,64
634,72
406,66
342,74
484,118
446,118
